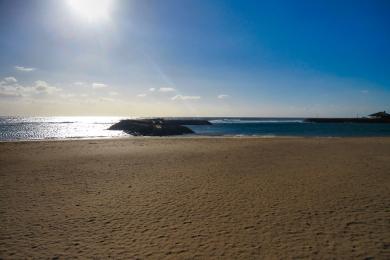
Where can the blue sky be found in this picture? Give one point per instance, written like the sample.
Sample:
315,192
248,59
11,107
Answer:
194,58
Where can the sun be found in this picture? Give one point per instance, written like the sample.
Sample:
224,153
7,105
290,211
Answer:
92,10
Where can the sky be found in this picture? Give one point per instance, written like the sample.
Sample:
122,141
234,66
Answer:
194,58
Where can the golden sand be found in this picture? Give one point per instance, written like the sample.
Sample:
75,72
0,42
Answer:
240,198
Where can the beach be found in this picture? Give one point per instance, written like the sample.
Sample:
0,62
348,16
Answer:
229,198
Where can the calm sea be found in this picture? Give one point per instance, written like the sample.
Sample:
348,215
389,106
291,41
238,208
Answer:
41,128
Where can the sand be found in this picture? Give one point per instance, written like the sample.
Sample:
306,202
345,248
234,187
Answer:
230,198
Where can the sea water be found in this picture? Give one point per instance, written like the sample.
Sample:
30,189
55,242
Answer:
290,127
43,128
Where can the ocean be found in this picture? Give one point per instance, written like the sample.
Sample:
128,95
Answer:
49,128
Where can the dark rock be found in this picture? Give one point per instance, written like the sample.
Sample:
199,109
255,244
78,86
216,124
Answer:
151,127
187,122
380,117
348,120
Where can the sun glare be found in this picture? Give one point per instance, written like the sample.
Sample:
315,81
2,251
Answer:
92,10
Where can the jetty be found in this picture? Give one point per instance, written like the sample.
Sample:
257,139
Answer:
379,117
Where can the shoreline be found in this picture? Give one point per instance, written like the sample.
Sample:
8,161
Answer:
190,137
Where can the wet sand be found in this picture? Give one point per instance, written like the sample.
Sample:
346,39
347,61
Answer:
240,198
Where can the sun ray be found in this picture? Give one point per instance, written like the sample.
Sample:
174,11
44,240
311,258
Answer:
92,10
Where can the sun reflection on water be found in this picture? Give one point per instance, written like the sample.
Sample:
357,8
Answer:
32,128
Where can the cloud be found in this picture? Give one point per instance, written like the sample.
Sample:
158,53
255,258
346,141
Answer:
162,89
43,87
67,96
364,91
180,97
141,95
223,96
113,93
10,91
105,99
40,87
99,85
15,90
166,89
25,69
10,88
10,80
94,85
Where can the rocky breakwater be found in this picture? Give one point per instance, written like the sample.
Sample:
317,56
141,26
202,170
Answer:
156,127
349,120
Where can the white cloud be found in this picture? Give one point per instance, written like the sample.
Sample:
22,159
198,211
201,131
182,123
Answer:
166,89
10,91
40,87
25,69
113,93
10,80
180,97
16,90
94,85
99,85
141,95
223,96
43,87
152,89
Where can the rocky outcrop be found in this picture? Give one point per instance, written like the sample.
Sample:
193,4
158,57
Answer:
187,122
153,127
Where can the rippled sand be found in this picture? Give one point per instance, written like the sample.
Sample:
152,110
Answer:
196,198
